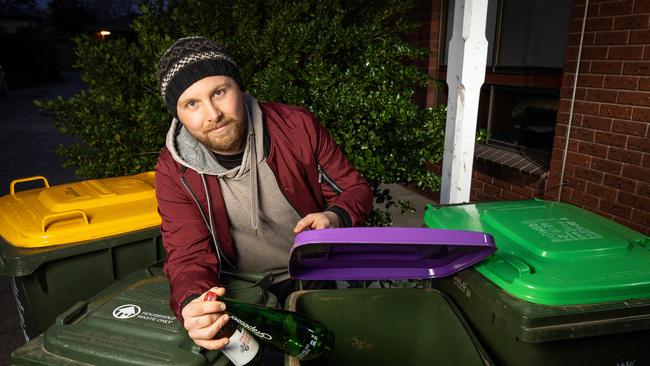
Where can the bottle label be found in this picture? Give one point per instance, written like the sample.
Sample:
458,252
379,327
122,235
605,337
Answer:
251,328
242,347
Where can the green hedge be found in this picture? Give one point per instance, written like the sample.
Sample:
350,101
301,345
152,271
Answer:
343,60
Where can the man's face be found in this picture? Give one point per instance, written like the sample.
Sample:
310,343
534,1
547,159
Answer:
212,109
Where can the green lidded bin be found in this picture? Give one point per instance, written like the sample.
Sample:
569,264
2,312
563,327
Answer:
564,287
129,323
388,326
64,243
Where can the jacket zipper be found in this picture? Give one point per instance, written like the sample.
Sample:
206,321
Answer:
323,175
220,256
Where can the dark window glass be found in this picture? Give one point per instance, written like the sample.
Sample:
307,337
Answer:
490,29
533,33
521,34
524,118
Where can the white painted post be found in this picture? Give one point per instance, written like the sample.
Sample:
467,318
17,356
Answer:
465,75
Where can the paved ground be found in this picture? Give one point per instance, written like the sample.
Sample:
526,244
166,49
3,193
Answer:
418,201
27,136
27,143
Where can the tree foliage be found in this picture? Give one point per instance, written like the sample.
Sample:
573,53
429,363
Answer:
343,60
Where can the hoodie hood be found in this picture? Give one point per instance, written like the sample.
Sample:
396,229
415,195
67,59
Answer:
189,152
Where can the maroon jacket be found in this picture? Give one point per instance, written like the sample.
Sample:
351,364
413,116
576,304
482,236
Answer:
312,172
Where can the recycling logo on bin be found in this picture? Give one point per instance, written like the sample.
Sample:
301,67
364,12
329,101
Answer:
126,311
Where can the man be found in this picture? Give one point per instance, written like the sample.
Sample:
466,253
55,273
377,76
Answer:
237,180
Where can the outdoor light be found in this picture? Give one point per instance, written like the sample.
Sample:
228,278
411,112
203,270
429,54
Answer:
104,34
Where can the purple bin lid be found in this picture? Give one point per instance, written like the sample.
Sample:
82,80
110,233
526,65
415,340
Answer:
377,253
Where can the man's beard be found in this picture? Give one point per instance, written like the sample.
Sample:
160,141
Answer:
230,140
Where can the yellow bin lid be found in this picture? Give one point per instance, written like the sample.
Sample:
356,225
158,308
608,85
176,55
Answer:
78,211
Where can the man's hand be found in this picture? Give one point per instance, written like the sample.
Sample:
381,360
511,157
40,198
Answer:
319,220
203,319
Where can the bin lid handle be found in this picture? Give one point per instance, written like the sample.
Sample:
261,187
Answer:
520,267
62,216
13,183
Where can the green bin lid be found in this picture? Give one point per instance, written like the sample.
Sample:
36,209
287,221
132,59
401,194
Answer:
553,253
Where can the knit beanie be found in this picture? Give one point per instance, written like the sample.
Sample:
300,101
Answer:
189,60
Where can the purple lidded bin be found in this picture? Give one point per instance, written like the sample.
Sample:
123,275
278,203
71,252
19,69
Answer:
377,253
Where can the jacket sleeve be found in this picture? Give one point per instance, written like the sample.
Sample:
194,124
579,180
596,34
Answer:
342,186
191,263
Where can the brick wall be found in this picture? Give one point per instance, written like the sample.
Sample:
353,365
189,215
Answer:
608,158
434,49
426,13
493,183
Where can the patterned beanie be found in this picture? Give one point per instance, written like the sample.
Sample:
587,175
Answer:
189,60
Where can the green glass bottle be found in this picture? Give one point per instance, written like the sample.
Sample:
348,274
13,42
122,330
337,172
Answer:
291,333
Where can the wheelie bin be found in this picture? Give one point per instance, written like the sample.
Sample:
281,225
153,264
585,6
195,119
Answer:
64,243
388,326
565,286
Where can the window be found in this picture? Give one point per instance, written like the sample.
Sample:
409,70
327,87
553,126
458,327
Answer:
519,100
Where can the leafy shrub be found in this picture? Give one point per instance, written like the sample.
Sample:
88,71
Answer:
343,60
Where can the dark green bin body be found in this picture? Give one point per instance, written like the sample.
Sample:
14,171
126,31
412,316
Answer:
517,332
90,333
377,326
49,280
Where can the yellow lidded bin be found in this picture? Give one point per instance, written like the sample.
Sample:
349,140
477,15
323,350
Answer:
64,243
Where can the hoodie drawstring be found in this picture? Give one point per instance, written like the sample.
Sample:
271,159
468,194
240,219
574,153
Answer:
254,194
252,160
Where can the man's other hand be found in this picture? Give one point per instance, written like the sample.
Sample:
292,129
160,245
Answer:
319,220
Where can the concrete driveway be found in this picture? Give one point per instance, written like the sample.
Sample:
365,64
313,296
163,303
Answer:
28,140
